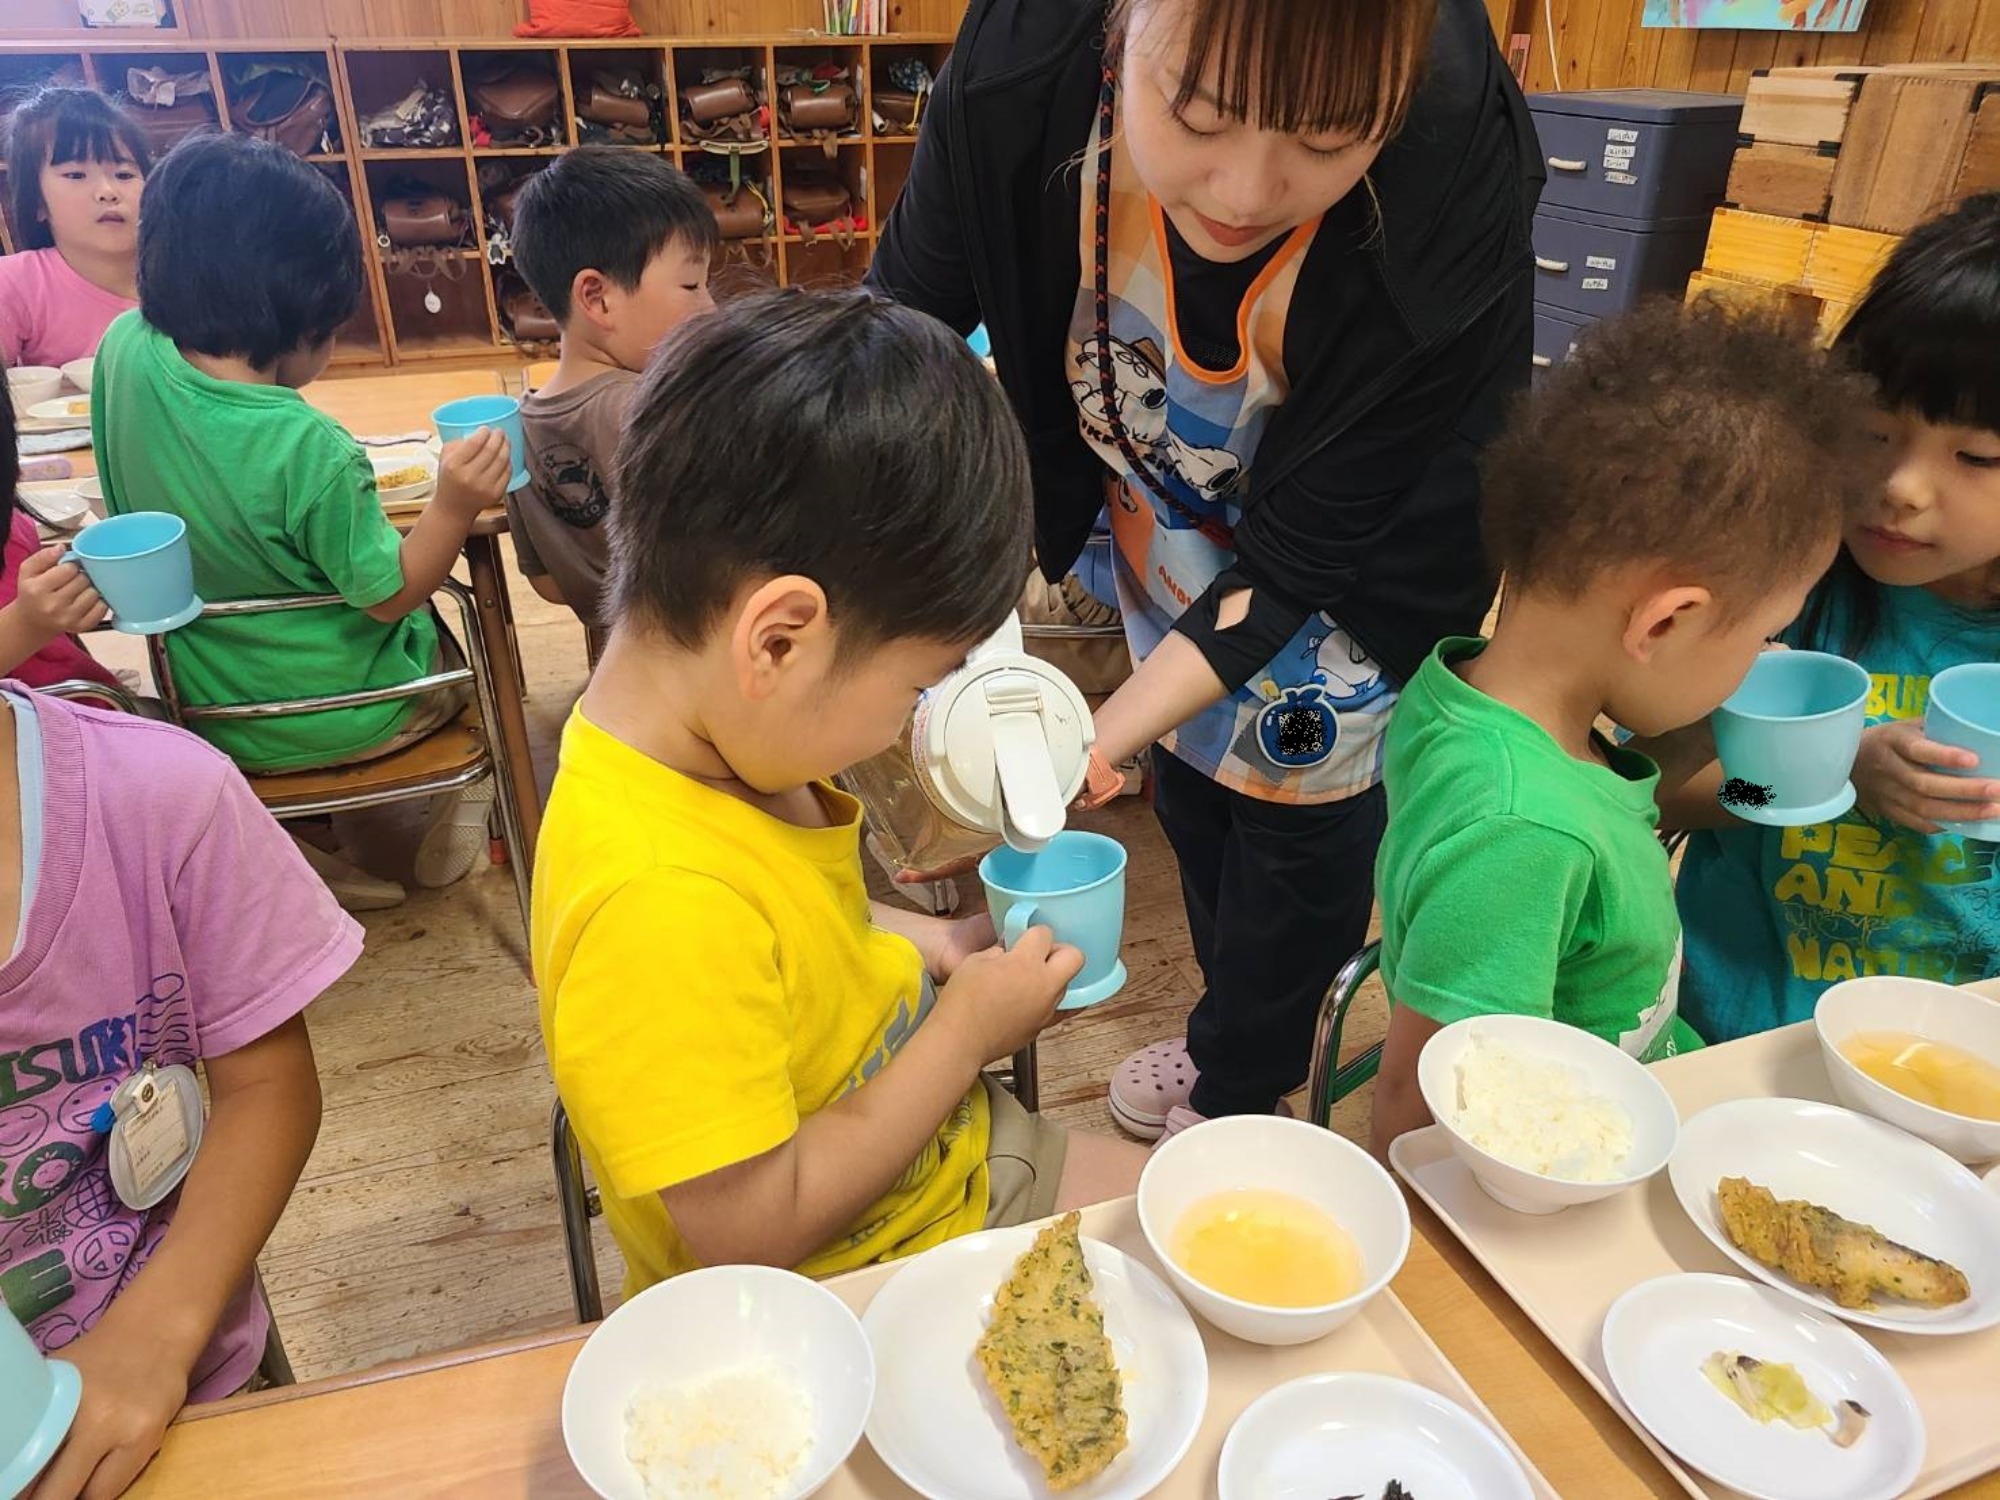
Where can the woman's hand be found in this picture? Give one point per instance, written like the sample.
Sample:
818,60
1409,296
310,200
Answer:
132,1388
1895,780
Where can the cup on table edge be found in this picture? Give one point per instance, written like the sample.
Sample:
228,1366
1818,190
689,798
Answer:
141,565
469,414
1073,885
1787,738
1964,712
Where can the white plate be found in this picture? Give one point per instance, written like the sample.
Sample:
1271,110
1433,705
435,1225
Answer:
1350,1434
412,457
63,409
935,1423
1656,1338
1863,1170
59,502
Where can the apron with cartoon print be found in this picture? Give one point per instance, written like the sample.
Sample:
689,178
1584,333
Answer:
1181,439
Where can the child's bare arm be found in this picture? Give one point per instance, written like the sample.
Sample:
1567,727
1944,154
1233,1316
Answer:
472,476
780,1208
263,1117
1399,1103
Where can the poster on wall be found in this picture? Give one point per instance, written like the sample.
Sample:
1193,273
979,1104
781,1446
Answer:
1757,15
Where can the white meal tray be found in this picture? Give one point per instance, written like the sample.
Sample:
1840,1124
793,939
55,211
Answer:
1384,1339
1566,1269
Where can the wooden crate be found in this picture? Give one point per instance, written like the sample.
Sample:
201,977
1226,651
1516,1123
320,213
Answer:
1979,172
1795,309
1843,261
1906,145
1759,247
1800,106
1793,182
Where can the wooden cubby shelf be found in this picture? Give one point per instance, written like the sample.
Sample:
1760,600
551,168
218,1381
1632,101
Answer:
396,323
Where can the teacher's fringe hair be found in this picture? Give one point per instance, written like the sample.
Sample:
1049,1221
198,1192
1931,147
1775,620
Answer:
1303,67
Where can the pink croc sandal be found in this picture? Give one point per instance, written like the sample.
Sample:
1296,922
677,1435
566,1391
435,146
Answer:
1149,1085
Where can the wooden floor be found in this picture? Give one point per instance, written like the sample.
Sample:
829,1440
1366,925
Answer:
427,1217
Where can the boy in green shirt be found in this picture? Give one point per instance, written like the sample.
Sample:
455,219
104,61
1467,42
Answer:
1659,508
198,413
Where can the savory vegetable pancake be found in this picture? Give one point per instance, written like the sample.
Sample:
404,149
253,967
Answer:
1049,1363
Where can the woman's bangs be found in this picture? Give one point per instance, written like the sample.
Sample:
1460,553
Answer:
1330,67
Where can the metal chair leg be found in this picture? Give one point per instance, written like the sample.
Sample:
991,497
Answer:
512,834
574,1198
1027,1078
275,1368
1327,1082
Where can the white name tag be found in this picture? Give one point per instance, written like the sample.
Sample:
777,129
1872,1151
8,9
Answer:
155,1129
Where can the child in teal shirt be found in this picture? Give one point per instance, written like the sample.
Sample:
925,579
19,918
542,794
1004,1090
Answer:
1775,915
1659,508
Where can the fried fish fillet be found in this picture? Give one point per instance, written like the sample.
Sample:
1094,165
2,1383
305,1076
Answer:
1049,1363
1816,1246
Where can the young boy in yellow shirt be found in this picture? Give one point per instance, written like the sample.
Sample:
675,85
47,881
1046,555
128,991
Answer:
823,502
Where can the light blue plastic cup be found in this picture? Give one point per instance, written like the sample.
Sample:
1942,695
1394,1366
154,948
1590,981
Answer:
1965,711
38,1399
140,563
1788,736
1075,886
468,414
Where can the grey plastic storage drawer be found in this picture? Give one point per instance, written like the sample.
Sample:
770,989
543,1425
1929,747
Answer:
1556,332
1602,266
1637,153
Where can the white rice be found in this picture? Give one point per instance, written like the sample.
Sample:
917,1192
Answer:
1539,1114
742,1434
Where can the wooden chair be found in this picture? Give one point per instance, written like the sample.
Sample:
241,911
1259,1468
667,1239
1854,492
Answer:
455,757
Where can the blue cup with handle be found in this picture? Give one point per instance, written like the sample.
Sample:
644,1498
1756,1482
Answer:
140,563
1075,886
1788,736
38,1399
469,414
1964,712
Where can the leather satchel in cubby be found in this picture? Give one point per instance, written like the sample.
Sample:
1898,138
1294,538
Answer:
817,203
517,104
286,107
421,218
819,110
718,109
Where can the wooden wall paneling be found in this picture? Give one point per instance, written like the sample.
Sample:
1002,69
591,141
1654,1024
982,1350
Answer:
1945,33
1892,30
1754,50
1984,42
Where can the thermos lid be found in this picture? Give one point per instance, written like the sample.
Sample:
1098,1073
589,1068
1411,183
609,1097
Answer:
1004,742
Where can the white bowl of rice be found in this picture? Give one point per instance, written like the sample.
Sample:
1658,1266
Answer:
1544,1115
730,1383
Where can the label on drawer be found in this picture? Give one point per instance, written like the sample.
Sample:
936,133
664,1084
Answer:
1616,134
1601,262
1615,153
1597,283
1623,179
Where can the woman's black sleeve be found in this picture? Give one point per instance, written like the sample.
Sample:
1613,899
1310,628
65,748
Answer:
921,260
1309,541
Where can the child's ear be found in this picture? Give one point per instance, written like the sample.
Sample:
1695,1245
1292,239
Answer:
590,294
1659,615
781,627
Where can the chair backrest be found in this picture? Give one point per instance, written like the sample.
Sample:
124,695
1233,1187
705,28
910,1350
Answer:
184,713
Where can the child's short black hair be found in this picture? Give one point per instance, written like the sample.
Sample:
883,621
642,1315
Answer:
56,125
1700,437
833,435
603,208
1928,330
245,250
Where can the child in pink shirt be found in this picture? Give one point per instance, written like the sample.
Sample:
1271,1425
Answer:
44,601
76,166
152,914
